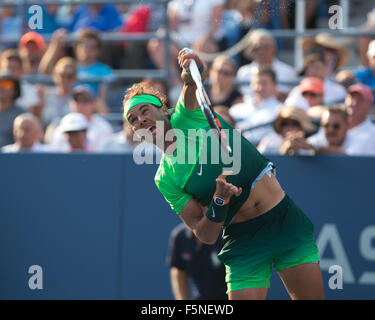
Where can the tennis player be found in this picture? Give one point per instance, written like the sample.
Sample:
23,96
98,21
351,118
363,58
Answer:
262,226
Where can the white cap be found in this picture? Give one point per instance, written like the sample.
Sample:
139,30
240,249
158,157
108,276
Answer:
371,49
73,122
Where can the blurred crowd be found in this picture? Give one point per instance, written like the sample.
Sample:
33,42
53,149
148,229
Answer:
58,94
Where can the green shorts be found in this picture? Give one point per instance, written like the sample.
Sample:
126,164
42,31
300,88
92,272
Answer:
282,237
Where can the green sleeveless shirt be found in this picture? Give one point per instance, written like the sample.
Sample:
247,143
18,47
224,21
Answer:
199,163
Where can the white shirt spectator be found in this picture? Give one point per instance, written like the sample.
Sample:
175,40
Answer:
333,93
359,141
194,18
119,143
14,148
98,130
248,115
283,71
29,96
55,106
116,143
272,142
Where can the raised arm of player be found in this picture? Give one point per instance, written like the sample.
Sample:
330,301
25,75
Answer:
207,225
188,91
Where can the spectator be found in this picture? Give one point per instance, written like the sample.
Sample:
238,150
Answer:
223,112
31,98
98,17
335,124
74,127
197,24
292,124
367,75
119,142
312,89
124,142
223,90
87,51
248,18
363,41
57,97
27,133
9,92
138,20
335,55
359,101
189,258
84,102
361,133
10,22
260,109
31,48
56,50
314,66
263,49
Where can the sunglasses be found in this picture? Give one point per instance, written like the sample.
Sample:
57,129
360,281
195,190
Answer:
310,94
290,123
225,73
335,125
7,84
67,75
83,99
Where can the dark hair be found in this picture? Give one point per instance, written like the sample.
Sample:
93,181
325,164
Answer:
266,71
17,87
10,54
89,34
144,88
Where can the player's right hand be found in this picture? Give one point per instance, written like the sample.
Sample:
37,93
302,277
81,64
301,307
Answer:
225,189
183,59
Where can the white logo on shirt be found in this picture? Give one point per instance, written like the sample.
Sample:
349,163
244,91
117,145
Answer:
200,171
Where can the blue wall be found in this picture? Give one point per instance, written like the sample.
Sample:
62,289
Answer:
99,228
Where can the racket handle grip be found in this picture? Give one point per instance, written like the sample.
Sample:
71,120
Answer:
194,71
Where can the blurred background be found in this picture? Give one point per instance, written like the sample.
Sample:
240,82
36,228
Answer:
296,77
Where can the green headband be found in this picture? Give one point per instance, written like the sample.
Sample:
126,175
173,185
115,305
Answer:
143,98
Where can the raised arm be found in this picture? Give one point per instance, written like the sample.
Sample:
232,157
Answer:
188,91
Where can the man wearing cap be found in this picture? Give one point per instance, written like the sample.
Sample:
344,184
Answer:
9,92
359,101
74,126
290,124
314,65
84,102
31,48
361,133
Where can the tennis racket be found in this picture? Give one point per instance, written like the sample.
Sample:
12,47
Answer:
205,105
